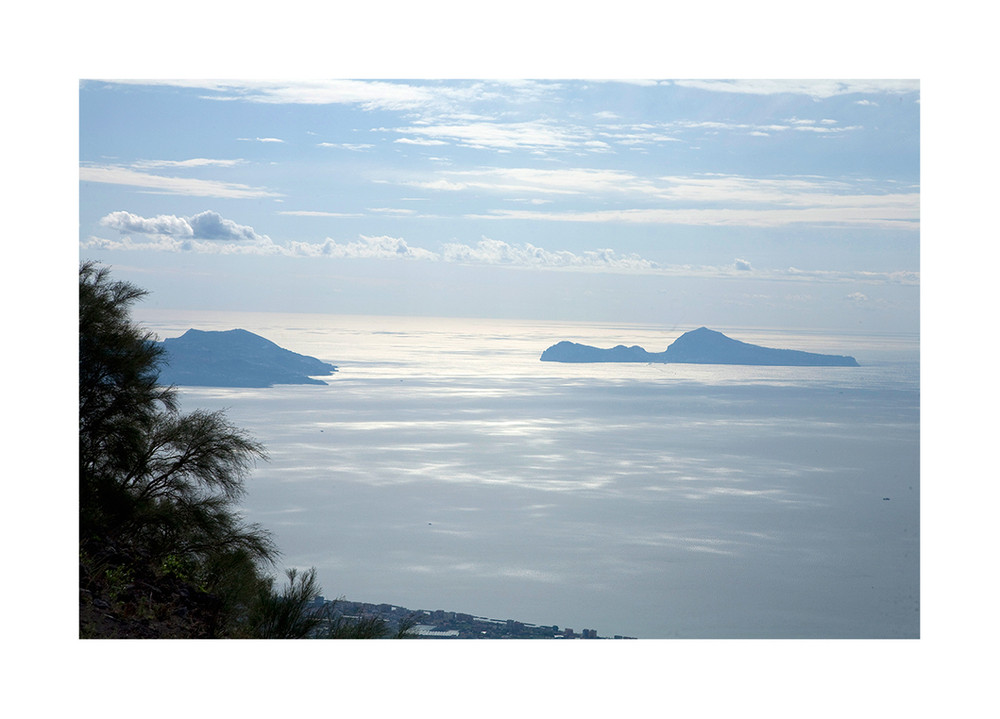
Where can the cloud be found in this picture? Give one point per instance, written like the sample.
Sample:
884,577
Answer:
370,95
392,211
496,252
826,129
706,200
900,277
207,225
381,248
636,135
117,175
126,222
485,252
194,162
419,141
700,200
534,135
166,243
546,136
158,243
319,213
210,225
259,139
813,88
367,94
356,147
519,180
713,127
857,297
844,215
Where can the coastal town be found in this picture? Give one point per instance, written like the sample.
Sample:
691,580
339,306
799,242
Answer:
440,624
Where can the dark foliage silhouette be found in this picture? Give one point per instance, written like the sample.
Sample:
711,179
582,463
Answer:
164,551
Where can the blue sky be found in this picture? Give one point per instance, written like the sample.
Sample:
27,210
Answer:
950,51
744,202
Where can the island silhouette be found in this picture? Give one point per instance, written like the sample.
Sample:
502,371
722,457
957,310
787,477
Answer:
700,346
235,358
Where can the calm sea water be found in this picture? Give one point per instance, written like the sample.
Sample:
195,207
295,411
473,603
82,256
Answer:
445,467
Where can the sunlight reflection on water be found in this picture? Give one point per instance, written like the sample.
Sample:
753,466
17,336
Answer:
445,466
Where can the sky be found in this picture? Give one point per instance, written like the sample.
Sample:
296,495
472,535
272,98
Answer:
51,111
765,203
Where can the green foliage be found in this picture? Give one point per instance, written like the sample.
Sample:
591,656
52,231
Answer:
338,626
403,631
164,551
359,628
150,476
286,614
159,490
118,579
119,392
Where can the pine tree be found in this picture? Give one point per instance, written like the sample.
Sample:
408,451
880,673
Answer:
159,490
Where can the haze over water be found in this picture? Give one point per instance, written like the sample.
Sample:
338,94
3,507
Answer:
445,467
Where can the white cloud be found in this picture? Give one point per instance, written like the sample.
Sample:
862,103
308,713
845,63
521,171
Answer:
799,192
542,136
116,175
368,94
159,243
712,127
635,135
381,248
534,135
194,162
126,222
812,88
520,180
392,211
827,129
210,225
687,196
168,243
259,139
207,225
717,200
357,147
319,213
845,215
419,141
491,252
496,252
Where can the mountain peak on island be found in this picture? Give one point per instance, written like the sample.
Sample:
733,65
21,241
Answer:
705,346
700,346
235,358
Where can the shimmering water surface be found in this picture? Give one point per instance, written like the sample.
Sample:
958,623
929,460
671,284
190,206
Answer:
445,467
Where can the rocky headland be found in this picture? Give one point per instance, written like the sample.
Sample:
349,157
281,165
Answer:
236,358
700,346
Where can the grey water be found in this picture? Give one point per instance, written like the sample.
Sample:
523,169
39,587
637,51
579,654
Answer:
445,467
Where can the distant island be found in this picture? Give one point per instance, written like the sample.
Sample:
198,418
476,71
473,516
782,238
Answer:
235,358
700,346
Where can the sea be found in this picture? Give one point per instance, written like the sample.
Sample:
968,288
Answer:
444,466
